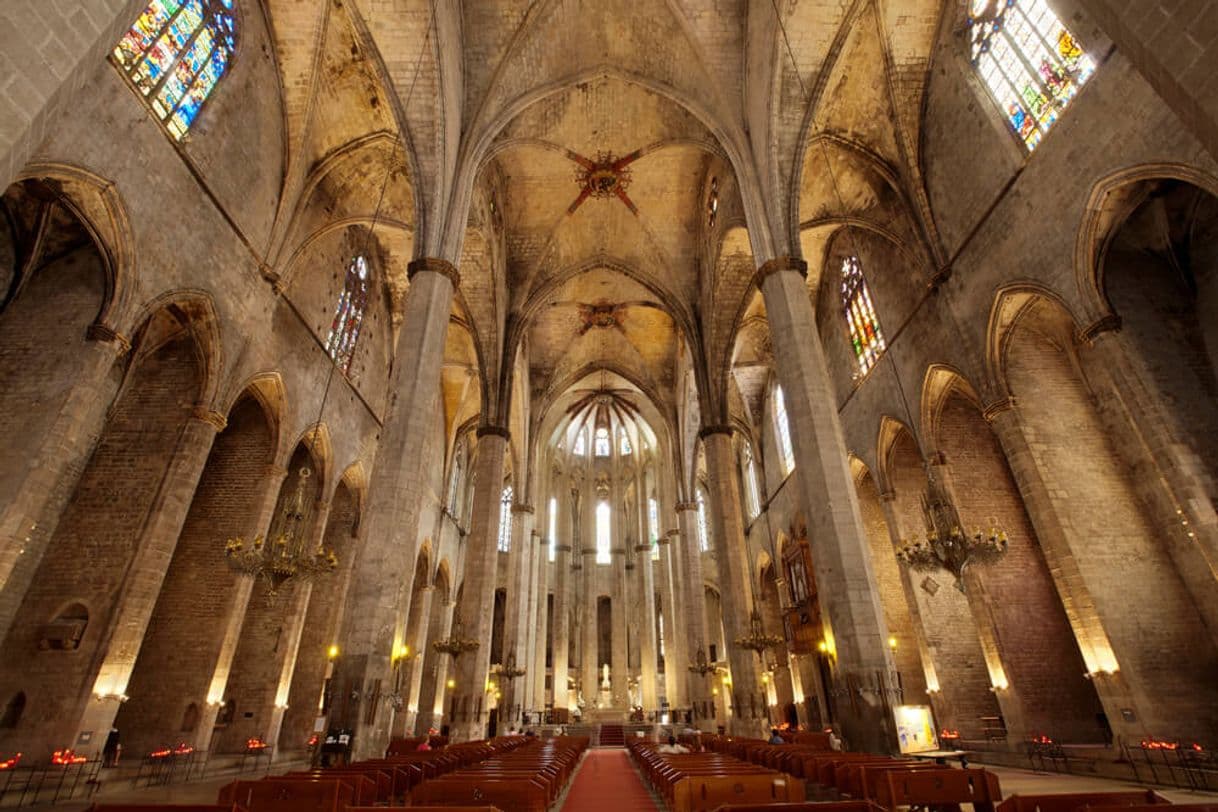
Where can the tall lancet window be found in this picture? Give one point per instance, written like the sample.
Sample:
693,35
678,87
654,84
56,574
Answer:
175,54
553,531
349,314
505,520
623,443
703,533
752,491
454,479
865,335
601,442
581,444
604,541
653,527
1029,61
782,428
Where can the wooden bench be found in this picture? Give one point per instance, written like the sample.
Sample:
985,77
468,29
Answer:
942,787
1073,801
805,806
517,793
288,796
702,782
165,808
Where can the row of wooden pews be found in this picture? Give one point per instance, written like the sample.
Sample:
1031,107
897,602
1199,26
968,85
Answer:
528,779
703,782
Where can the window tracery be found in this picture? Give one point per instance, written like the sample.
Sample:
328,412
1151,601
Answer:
175,54
623,443
865,336
653,525
1030,62
783,429
505,521
349,314
580,448
601,442
553,529
703,534
752,490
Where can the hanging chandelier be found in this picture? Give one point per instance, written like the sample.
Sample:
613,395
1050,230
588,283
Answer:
507,669
701,666
946,546
455,645
288,555
757,641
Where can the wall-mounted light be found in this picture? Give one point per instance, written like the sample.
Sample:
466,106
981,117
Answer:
892,643
332,652
452,683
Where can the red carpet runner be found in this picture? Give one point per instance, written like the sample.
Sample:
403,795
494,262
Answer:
607,782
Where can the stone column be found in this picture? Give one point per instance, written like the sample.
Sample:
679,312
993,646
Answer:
589,670
562,610
32,508
539,630
470,701
388,540
619,657
848,596
693,618
275,476
435,673
647,628
735,576
675,656
154,550
517,617
1089,628
418,643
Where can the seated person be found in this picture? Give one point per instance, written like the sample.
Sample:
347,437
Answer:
672,746
775,738
424,745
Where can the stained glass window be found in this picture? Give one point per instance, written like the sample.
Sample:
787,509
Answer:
865,335
783,429
505,520
349,314
752,492
1032,65
623,443
579,448
553,527
601,442
703,535
175,54
603,539
653,527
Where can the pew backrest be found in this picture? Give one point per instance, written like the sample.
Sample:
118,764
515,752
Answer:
1073,801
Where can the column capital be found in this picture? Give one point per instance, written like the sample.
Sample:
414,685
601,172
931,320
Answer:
434,265
493,431
104,333
707,431
887,496
642,548
562,548
1105,324
273,471
672,534
521,507
209,416
778,264
681,506
997,407
662,541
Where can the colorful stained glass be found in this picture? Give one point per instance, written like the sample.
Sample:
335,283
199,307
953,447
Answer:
865,336
1031,64
601,442
349,314
623,443
176,53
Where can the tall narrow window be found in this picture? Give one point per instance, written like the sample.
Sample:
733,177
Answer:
175,54
783,429
1030,62
505,520
454,480
653,527
603,539
752,491
349,314
865,335
553,528
601,442
623,443
703,535
580,448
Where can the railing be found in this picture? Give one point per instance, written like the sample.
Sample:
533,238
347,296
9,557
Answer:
55,783
1178,765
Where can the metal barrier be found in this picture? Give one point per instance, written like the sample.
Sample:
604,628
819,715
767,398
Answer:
55,783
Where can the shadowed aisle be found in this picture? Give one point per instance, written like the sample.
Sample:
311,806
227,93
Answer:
607,781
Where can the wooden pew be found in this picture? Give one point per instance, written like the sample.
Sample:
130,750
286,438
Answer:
1073,801
516,793
288,796
165,808
706,793
805,806
943,787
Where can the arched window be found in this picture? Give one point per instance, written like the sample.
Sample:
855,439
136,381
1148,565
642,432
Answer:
703,534
601,442
752,491
175,54
349,314
553,527
653,527
623,443
581,447
505,520
1029,61
783,429
603,538
865,335
454,480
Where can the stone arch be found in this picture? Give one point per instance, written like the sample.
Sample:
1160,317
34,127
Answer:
1012,304
196,311
940,381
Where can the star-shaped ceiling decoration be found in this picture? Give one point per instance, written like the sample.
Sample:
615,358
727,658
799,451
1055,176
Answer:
607,176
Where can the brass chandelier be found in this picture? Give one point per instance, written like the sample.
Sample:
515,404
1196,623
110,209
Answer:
455,644
288,555
757,641
701,666
507,669
946,546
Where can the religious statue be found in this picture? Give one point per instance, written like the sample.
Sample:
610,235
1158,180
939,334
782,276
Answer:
605,675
